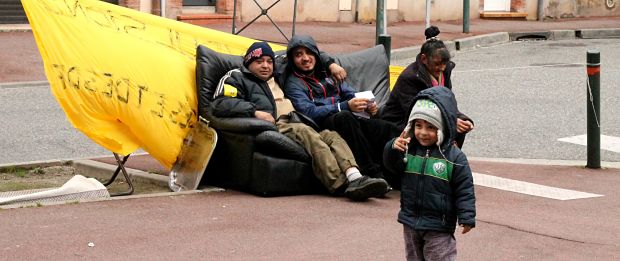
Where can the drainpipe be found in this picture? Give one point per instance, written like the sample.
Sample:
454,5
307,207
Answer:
466,16
356,10
540,10
162,8
428,13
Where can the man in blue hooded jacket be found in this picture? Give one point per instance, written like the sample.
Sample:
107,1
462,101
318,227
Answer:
331,105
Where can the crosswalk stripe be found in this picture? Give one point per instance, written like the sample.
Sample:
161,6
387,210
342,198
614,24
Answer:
529,188
609,143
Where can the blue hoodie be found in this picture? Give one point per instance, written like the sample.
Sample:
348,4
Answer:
314,94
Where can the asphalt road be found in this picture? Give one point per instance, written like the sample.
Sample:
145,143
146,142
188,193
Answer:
35,128
523,96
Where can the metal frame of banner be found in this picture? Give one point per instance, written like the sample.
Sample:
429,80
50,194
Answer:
121,168
264,11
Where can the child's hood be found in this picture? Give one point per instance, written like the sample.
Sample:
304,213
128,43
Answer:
445,100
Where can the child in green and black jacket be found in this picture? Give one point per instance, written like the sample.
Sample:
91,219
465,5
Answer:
437,184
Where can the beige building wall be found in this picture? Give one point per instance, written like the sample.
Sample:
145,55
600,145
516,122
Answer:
443,10
337,11
531,8
580,8
307,10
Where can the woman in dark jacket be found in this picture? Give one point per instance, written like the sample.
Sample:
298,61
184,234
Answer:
432,68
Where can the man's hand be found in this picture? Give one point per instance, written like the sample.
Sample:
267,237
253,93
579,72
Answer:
338,73
358,104
264,116
463,126
372,108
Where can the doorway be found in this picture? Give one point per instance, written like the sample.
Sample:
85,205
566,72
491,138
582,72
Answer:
199,2
497,5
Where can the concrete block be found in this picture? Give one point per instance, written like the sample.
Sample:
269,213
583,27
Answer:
481,41
598,33
451,45
562,34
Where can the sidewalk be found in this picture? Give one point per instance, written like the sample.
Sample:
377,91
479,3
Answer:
237,226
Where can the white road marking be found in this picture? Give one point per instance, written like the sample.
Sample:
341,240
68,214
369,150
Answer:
529,188
609,143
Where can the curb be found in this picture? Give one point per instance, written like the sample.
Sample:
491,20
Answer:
486,40
406,53
598,33
482,41
563,34
11,28
9,85
91,168
104,171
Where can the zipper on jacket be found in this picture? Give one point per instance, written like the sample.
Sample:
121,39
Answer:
444,209
419,192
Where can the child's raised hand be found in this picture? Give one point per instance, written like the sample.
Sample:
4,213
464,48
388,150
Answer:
466,228
401,143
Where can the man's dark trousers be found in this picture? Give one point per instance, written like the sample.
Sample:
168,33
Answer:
366,138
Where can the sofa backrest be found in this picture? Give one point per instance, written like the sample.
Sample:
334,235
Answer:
211,66
366,70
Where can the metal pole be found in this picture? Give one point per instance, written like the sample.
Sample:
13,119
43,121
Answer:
234,28
382,36
428,13
466,16
294,17
380,17
162,8
594,109
540,10
386,41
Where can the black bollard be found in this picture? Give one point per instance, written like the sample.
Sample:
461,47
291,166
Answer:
386,41
594,109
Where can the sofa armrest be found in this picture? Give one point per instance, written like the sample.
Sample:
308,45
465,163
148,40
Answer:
277,144
241,125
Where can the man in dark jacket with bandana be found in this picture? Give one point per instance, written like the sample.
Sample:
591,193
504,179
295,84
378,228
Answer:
331,105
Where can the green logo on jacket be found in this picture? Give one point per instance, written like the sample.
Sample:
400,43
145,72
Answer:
434,167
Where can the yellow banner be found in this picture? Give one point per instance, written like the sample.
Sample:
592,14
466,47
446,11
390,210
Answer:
394,73
126,79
